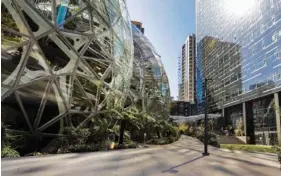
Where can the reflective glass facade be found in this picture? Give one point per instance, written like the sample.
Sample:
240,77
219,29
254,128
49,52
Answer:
239,47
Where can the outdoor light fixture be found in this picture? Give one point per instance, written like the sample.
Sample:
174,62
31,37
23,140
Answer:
206,119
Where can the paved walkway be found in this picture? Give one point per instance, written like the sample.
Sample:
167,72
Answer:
183,158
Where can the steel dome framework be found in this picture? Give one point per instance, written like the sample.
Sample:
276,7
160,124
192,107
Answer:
150,81
53,77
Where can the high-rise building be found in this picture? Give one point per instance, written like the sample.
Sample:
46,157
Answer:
138,25
187,63
239,50
179,78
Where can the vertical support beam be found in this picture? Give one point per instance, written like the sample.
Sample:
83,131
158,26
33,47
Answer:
206,120
244,118
278,118
223,117
54,11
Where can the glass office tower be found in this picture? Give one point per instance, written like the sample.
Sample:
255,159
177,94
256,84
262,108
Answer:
239,48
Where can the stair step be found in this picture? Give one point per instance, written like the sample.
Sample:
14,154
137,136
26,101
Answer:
228,140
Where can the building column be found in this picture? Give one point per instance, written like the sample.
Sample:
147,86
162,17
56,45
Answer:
245,121
278,114
224,114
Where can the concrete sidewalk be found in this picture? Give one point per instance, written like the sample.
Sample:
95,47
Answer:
180,158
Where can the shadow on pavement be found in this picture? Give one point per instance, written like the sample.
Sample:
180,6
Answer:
34,169
172,169
226,171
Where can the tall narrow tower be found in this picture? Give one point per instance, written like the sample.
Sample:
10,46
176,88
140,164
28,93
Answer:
187,91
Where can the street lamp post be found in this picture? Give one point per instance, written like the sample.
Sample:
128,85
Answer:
206,119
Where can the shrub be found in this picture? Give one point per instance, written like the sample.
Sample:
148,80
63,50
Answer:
212,138
34,154
183,128
102,146
79,136
191,131
8,152
127,144
163,140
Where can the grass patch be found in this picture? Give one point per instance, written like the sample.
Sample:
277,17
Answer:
250,148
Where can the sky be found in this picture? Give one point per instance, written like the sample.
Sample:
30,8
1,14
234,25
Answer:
167,23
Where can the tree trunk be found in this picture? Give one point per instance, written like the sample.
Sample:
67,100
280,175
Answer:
158,133
122,129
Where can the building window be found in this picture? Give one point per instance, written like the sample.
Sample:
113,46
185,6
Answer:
277,55
275,37
265,61
262,28
251,37
273,19
271,3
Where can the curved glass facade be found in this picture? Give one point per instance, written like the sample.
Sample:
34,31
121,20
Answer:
150,81
239,47
63,64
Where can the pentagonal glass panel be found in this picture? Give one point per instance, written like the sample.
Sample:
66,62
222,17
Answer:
80,101
78,41
12,62
59,53
112,12
32,97
11,40
10,19
55,57
54,107
91,87
12,115
99,49
97,65
78,118
85,70
36,66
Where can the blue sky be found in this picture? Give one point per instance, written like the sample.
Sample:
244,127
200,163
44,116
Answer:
167,23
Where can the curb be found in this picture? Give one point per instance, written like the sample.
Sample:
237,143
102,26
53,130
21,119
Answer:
246,152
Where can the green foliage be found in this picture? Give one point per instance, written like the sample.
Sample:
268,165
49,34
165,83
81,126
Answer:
212,138
239,128
102,146
163,140
7,19
250,148
34,154
127,144
75,136
78,140
183,128
8,152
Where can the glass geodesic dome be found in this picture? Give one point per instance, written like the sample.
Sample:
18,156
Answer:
150,81
63,62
